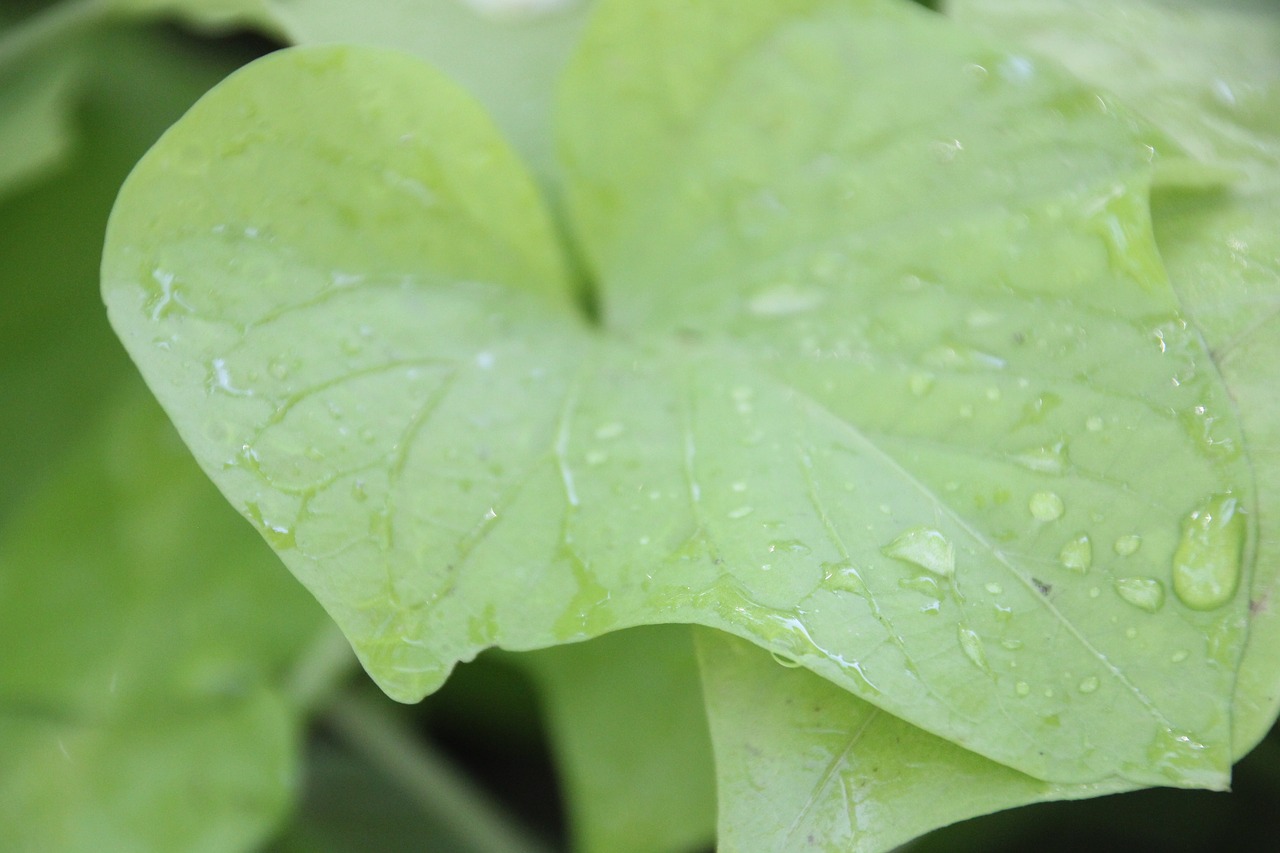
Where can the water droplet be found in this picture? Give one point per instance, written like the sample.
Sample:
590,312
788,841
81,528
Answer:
1127,546
279,369
1093,424
1011,644
784,299
1077,554
1206,564
788,546
1046,506
1094,592
844,576
596,457
279,536
920,383
994,588
783,660
739,487
971,644
1050,459
962,357
1089,685
610,430
1131,633
1022,688
1143,593
926,548
922,583
741,512
1179,656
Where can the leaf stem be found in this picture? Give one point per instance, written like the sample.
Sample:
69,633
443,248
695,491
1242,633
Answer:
59,21
430,778
326,662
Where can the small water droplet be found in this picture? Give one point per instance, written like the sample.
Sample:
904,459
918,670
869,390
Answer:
1011,644
1127,546
1077,554
1089,685
741,512
1206,564
1094,592
788,546
994,588
971,644
1131,633
739,487
610,430
782,660
596,457
1050,459
926,548
1179,656
993,394
279,369
920,383
783,299
1093,424
1046,506
1143,593
1022,688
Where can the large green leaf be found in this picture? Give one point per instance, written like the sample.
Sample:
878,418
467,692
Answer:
1221,248
627,720
877,440
1209,75
142,702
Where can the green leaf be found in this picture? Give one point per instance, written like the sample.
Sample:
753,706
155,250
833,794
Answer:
35,102
146,656
629,728
859,386
1220,248
1207,75
803,764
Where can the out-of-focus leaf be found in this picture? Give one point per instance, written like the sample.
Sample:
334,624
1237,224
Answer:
147,633
629,729
58,357
509,59
35,104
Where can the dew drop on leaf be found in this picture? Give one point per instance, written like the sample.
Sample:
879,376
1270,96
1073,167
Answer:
1022,688
1143,593
1127,545
926,548
1046,506
1206,564
1050,459
1089,684
971,644
1077,554
843,576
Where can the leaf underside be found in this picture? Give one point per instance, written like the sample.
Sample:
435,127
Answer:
890,381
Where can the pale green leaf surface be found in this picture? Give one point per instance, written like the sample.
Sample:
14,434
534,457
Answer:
629,728
146,636
879,489
509,62
1208,74
1222,251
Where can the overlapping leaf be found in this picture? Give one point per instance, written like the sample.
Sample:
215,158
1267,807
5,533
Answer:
891,380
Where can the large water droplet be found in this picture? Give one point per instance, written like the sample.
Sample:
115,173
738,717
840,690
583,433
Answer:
1077,554
1046,506
1206,565
1144,593
971,644
926,548
844,576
